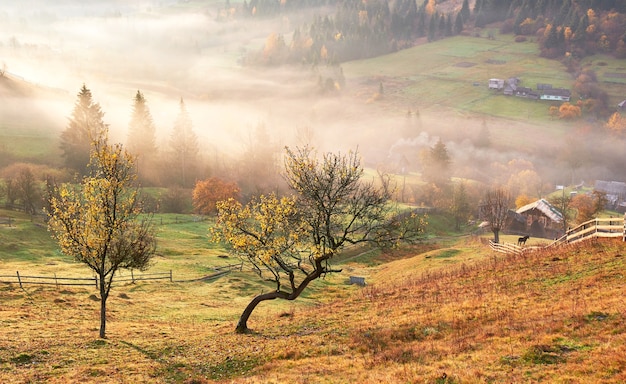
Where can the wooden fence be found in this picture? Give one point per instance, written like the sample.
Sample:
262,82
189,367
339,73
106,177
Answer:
606,227
48,280
504,247
94,281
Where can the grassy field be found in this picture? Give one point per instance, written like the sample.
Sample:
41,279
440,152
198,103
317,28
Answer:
454,73
458,314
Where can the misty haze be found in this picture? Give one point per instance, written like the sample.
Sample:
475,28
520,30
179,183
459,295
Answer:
466,126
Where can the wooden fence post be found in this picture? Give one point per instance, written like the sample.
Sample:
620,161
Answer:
18,279
171,280
56,282
132,276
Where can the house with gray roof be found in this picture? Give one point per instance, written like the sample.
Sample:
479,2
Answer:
615,192
556,94
542,219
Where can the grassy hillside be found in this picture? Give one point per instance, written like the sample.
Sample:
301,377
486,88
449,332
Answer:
461,313
28,133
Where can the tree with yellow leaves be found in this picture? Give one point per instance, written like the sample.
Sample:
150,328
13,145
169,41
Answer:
97,222
294,239
616,124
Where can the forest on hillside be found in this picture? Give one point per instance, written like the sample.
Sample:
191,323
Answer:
567,31
326,34
356,29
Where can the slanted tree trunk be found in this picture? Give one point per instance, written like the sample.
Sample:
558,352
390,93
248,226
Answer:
242,324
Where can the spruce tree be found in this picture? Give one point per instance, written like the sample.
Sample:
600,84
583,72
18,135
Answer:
465,10
85,126
141,140
141,131
184,146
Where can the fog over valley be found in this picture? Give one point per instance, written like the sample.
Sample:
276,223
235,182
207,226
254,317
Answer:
202,53
312,191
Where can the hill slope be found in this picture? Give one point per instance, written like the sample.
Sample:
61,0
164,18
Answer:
551,317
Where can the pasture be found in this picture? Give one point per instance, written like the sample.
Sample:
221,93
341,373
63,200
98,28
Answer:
450,77
461,312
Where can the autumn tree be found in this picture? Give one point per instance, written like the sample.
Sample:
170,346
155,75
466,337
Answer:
292,240
495,208
208,192
460,206
97,221
616,124
522,200
569,111
24,189
184,145
141,140
587,206
85,125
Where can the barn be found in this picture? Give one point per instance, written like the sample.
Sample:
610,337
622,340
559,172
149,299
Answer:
542,219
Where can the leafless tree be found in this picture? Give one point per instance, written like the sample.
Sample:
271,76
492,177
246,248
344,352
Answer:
495,208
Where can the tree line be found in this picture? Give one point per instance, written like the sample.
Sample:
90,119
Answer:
359,29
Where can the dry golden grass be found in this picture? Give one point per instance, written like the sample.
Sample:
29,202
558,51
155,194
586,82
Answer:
446,316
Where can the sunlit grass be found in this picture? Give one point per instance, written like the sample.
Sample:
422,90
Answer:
476,316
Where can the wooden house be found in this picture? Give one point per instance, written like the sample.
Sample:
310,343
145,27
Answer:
542,219
556,94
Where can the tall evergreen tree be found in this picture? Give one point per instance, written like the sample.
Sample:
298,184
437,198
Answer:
458,24
465,11
436,164
141,131
85,126
184,145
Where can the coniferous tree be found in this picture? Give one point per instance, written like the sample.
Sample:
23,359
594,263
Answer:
141,131
465,11
142,136
184,146
458,24
85,125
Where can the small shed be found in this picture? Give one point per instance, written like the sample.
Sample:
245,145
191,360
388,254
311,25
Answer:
496,83
542,219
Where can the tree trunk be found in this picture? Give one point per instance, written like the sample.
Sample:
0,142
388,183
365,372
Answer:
103,308
496,236
242,324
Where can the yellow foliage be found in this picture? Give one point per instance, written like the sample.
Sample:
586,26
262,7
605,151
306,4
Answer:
522,200
616,124
323,53
568,33
431,7
547,31
568,111
604,43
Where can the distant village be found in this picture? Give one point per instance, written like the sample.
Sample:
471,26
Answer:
511,87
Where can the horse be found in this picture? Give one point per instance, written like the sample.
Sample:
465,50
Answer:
522,240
